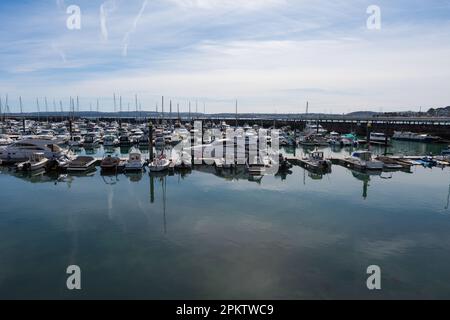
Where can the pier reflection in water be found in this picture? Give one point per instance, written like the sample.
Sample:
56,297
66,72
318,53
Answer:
218,234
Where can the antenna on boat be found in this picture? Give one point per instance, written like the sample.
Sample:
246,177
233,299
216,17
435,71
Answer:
190,111
1,108
178,111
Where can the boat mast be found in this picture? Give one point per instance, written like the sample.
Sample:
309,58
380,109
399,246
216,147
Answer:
46,107
21,112
136,101
98,108
62,110
78,106
6,105
1,119
162,109
38,110
236,113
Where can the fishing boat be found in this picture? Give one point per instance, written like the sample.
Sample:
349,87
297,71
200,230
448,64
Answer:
135,161
316,161
364,160
81,164
159,164
37,161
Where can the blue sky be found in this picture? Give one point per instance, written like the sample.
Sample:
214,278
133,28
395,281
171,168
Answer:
271,55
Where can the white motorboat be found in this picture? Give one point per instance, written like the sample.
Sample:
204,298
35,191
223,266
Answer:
81,164
256,166
76,141
110,141
159,164
184,160
23,149
411,136
37,161
364,160
314,129
379,137
134,162
91,140
5,140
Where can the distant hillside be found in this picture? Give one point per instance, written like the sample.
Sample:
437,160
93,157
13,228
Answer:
363,114
439,112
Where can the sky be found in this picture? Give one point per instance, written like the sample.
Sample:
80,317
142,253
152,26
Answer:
272,56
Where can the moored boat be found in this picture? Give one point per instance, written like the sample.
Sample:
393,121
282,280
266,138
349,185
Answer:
159,164
37,161
81,164
135,161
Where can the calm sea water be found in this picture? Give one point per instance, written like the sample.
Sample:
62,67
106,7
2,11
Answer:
206,235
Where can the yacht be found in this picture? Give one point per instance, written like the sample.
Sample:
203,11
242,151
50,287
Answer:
364,160
5,140
314,129
110,141
23,149
76,141
134,162
91,140
124,140
379,137
411,136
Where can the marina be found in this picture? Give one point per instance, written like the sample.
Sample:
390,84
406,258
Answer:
151,219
